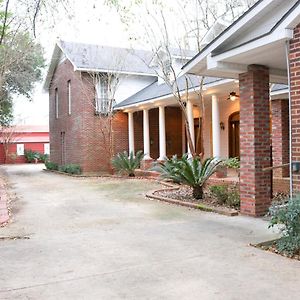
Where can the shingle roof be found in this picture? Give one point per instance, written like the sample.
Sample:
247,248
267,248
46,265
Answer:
156,90
97,57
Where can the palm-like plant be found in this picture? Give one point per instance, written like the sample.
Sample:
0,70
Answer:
125,163
189,171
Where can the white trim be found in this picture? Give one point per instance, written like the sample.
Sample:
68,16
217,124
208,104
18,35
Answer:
276,36
20,149
243,21
56,99
113,71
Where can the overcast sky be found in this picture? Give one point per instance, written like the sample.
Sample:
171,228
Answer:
88,24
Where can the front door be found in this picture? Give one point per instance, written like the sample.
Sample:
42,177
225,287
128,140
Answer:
234,135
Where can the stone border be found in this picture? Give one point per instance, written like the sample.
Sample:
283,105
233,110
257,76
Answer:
4,214
204,207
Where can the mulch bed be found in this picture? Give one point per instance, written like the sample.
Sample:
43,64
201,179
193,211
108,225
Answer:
271,247
184,193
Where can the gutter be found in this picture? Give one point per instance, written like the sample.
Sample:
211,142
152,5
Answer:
287,50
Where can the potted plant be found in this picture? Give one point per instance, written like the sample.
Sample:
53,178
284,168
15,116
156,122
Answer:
233,166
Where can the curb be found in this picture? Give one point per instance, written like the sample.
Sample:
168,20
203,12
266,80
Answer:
4,215
200,206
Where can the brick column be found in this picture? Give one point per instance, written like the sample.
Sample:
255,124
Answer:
295,98
280,136
255,184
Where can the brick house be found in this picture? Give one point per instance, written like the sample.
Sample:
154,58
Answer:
77,94
246,101
261,48
16,139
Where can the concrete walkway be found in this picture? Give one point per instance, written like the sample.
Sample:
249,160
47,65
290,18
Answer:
101,239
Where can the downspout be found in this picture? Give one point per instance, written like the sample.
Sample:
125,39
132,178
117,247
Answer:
287,51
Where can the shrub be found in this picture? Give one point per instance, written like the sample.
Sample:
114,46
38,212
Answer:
287,217
225,194
70,168
31,155
190,171
232,163
43,157
125,163
51,165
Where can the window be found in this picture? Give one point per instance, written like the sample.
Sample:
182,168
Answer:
56,103
69,97
46,149
103,103
20,149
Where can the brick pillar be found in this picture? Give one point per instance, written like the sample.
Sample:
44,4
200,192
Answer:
280,136
255,184
295,98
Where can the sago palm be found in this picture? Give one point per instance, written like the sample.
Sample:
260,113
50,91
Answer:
123,162
190,171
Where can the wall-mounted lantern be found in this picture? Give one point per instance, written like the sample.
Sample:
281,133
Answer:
222,126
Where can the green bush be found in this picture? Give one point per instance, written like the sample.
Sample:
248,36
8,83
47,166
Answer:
43,157
70,168
31,155
51,165
125,163
287,218
225,194
232,163
190,171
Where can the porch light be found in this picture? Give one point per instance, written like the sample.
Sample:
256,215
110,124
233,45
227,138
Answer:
233,96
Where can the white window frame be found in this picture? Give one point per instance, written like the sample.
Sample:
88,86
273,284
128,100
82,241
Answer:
47,148
56,103
102,102
20,149
69,98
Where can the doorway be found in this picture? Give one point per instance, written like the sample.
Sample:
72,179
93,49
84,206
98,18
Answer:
234,135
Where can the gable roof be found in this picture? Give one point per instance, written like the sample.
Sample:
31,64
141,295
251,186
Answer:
98,58
264,27
156,90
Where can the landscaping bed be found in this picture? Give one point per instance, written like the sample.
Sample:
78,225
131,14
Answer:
182,195
271,247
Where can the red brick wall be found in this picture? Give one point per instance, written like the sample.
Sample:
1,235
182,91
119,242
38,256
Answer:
86,134
280,136
255,188
295,98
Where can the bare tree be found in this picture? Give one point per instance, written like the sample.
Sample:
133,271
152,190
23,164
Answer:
8,136
104,85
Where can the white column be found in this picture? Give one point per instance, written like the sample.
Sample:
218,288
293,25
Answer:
216,131
190,116
146,134
162,133
131,132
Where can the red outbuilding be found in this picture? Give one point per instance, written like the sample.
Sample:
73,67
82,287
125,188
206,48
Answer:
15,140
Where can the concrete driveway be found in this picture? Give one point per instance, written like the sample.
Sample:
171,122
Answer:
101,239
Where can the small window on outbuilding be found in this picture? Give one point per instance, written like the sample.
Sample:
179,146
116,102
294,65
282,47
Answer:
47,148
20,149
69,97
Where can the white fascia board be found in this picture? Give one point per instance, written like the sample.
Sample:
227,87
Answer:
113,71
205,87
293,19
279,92
276,36
62,50
261,6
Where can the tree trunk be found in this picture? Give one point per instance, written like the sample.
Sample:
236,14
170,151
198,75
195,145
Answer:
198,192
